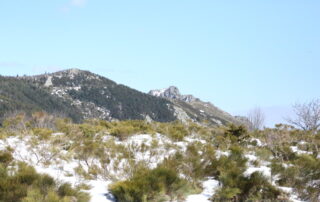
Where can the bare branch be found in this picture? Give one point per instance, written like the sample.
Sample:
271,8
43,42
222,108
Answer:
307,115
256,118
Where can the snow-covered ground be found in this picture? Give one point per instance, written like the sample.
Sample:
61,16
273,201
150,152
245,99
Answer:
158,147
209,188
62,172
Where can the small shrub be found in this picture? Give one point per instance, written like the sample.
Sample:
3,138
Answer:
263,153
150,185
26,174
66,190
42,133
5,158
33,195
239,132
177,131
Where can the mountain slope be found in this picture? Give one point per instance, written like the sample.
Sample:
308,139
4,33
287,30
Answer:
98,97
83,95
18,95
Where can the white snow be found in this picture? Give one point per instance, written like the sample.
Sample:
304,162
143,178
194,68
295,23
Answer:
263,168
194,139
209,188
158,93
143,149
48,82
289,190
266,171
219,153
259,143
302,142
99,191
251,157
295,149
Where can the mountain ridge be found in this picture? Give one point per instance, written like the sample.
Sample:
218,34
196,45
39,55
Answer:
193,105
91,95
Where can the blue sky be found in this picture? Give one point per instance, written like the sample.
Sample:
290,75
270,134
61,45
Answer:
235,54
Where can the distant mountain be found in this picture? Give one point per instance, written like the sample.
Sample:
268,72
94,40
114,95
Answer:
98,97
81,95
190,107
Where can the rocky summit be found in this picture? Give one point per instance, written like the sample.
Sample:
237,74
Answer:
173,93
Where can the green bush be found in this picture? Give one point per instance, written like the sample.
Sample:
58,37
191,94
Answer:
5,158
150,185
26,174
236,186
42,133
27,185
175,130
66,190
238,132
264,153
124,129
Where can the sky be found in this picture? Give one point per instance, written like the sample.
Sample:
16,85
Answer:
237,54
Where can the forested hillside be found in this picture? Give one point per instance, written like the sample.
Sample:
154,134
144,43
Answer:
98,97
18,95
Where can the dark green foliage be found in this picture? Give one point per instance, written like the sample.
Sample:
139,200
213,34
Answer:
150,185
123,102
196,163
308,170
45,183
237,133
21,95
257,187
66,190
26,175
5,158
236,186
14,188
284,152
302,173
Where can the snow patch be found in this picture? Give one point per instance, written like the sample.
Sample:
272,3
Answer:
295,149
289,190
259,143
48,82
266,171
209,188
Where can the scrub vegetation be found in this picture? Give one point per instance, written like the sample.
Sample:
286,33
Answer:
152,161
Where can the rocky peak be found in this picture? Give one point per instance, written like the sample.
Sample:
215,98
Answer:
172,93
